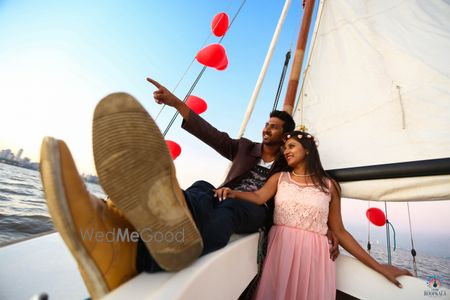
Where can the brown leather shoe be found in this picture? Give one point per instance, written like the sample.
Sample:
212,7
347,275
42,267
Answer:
135,169
92,229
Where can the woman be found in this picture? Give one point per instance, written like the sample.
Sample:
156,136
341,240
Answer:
307,201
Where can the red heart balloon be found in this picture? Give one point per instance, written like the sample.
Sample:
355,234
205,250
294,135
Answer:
376,216
174,149
219,24
223,64
211,56
197,104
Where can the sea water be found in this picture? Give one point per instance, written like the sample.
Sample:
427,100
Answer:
23,213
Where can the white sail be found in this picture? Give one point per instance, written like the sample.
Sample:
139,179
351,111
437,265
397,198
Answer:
377,91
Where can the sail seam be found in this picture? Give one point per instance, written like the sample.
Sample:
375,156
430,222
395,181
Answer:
402,108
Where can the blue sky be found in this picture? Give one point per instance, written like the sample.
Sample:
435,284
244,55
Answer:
59,58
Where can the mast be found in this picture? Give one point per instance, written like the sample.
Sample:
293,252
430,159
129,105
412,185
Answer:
288,105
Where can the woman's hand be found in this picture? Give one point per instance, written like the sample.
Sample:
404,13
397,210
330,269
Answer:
391,273
334,245
224,193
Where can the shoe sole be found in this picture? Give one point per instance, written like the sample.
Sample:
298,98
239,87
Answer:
55,194
136,171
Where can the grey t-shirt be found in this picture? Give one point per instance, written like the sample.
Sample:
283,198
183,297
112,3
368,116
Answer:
255,177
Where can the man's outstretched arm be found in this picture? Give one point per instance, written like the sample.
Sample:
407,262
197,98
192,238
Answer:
195,125
163,96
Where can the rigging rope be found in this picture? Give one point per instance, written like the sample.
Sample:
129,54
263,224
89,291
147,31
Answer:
176,86
199,75
283,74
184,100
285,67
413,251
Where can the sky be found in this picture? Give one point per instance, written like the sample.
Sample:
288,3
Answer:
58,59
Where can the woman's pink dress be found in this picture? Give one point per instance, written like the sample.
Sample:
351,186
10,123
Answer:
298,264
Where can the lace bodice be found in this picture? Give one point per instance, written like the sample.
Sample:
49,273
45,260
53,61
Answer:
304,207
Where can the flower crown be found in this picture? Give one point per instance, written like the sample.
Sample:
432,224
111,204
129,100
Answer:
302,135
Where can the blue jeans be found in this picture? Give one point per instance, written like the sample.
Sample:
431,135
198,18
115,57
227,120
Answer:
215,220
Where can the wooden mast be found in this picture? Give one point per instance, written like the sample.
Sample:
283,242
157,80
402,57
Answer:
289,101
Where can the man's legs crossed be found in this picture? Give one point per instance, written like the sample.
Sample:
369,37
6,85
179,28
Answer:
249,217
216,221
200,201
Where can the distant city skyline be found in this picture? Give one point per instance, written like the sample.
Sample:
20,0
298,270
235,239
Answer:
8,153
8,156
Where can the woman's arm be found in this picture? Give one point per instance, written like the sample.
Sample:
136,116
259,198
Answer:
351,245
259,197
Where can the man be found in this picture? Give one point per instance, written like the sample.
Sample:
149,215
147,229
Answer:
137,172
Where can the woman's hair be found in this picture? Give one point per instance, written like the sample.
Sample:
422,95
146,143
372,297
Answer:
313,165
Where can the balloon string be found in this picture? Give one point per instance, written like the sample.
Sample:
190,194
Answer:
198,76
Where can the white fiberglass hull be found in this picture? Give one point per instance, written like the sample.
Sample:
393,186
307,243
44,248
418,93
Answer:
44,265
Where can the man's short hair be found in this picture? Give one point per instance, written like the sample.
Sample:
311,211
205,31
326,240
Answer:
289,124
